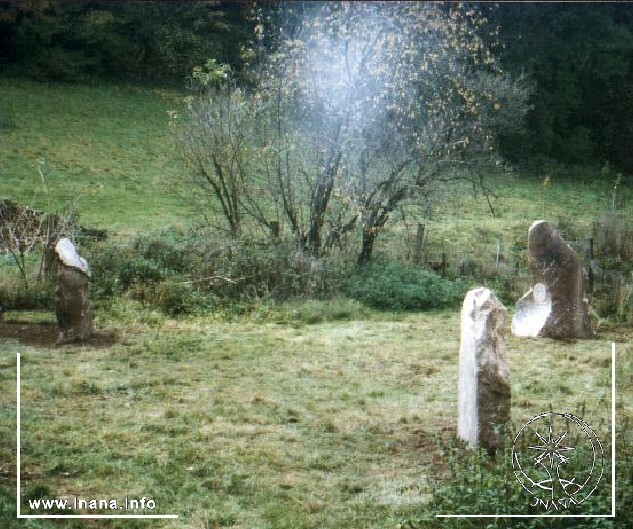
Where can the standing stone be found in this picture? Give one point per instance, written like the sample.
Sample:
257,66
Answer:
563,310
484,378
72,303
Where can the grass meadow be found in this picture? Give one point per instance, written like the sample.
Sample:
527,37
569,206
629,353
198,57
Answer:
260,424
305,414
104,148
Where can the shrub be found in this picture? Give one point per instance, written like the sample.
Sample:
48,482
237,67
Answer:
395,286
13,293
138,270
475,483
115,269
264,268
174,298
171,249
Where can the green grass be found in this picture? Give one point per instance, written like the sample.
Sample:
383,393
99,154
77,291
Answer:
302,414
110,148
261,424
107,147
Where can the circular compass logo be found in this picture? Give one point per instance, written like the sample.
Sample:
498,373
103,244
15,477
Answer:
558,459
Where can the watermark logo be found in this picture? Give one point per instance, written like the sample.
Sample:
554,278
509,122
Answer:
558,459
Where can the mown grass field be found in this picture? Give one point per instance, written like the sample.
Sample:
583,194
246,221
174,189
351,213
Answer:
106,149
307,414
260,424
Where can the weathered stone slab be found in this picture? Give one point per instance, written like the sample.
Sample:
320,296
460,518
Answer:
72,302
556,266
484,393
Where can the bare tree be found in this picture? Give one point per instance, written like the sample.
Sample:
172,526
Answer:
216,142
357,109
375,104
24,230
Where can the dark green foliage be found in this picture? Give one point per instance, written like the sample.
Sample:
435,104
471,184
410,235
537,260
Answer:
187,272
176,297
117,268
75,41
138,270
41,296
394,286
479,484
265,268
145,262
169,248
579,56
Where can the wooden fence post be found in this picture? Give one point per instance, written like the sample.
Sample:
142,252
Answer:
591,278
419,243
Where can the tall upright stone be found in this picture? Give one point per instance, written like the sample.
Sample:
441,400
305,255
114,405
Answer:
562,310
484,393
72,302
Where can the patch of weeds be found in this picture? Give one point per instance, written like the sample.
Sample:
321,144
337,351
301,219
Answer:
86,388
472,482
311,312
394,286
175,297
348,487
132,314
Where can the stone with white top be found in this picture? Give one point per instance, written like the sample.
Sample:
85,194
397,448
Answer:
69,257
72,302
484,392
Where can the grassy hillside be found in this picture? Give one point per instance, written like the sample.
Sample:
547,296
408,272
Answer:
304,414
109,148
106,147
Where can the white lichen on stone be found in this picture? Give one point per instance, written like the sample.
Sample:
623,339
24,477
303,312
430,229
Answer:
532,311
68,255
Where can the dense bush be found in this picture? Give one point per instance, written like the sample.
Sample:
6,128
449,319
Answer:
264,268
171,249
14,294
115,269
395,286
175,297
182,272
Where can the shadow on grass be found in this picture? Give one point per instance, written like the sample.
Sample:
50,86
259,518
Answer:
44,334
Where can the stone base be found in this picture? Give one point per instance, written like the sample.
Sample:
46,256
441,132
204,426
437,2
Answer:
72,306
